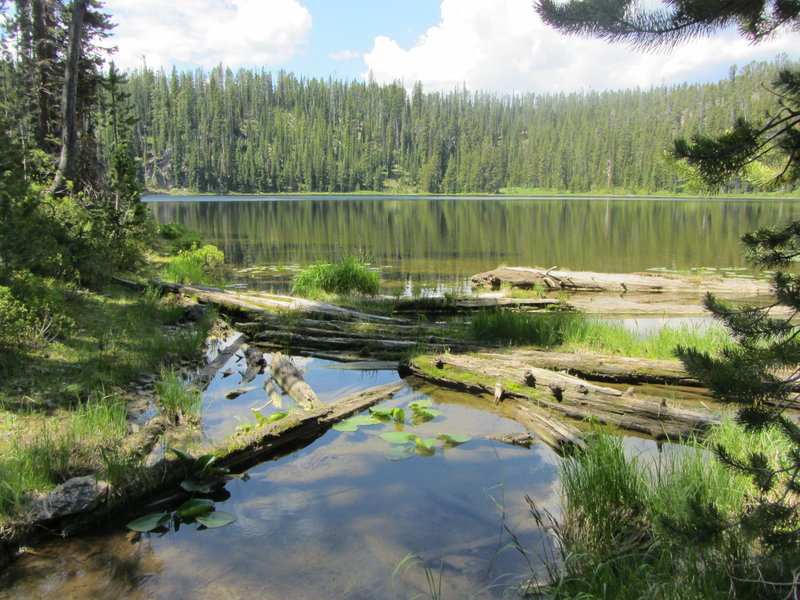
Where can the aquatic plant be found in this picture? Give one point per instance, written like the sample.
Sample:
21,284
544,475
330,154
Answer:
195,266
259,420
175,401
201,474
345,277
409,444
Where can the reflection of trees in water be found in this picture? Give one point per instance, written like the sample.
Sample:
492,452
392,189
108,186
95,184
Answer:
457,238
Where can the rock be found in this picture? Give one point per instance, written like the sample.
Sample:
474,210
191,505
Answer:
76,495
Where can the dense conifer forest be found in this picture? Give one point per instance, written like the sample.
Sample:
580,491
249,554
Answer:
255,131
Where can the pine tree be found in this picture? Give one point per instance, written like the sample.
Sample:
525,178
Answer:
761,372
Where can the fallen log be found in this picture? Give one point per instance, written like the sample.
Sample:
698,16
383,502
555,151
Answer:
567,395
559,435
446,306
598,367
587,281
291,381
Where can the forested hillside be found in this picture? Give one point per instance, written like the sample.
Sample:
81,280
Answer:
254,131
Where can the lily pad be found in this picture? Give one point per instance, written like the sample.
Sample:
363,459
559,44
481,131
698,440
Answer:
454,438
398,437
194,507
400,452
216,518
149,522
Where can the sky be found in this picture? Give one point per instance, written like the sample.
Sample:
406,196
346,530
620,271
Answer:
492,45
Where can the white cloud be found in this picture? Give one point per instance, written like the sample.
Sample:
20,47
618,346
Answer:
345,55
503,46
237,33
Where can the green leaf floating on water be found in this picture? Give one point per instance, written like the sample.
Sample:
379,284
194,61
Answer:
398,437
400,452
192,485
215,519
194,507
149,522
353,423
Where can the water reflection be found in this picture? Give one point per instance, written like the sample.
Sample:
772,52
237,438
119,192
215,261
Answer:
332,520
425,242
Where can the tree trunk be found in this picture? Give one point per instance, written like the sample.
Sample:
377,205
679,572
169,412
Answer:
69,131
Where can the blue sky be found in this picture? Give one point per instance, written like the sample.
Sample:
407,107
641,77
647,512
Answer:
494,45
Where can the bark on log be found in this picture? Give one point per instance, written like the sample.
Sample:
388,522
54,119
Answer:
570,396
599,367
291,381
587,281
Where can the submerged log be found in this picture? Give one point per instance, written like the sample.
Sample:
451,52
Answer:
564,394
291,381
587,281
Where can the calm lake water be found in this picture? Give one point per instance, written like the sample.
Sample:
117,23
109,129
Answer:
437,243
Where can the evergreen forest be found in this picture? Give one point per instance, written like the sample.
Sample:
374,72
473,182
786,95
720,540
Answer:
257,131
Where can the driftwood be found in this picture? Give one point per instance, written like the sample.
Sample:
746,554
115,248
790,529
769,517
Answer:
525,440
564,394
587,281
598,367
291,381
445,306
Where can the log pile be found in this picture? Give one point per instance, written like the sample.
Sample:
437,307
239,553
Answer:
533,389
586,281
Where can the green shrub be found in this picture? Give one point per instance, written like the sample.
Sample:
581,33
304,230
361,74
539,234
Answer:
195,266
181,237
350,275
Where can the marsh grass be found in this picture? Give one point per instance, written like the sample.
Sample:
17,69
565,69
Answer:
626,531
574,332
351,275
38,453
198,266
175,401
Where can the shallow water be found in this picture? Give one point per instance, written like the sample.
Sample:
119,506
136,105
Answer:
332,520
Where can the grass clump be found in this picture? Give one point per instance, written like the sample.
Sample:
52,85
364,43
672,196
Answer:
574,332
346,277
176,402
630,527
37,453
198,266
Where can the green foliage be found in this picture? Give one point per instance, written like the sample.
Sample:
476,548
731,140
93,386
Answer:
202,474
175,401
195,266
181,237
632,528
290,134
573,331
345,277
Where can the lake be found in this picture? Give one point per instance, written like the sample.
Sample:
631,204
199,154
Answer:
434,243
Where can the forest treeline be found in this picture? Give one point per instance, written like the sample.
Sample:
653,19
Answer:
254,131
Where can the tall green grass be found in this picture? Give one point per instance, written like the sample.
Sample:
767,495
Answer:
40,453
198,266
628,530
573,332
345,277
174,400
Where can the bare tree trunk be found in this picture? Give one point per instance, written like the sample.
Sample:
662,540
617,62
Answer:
69,131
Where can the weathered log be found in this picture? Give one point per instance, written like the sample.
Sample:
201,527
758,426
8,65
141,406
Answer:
587,281
445,306
292,340
300,426
260,302
526,440
291,381
554,432
570,396
599,367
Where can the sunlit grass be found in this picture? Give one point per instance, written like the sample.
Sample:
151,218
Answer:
626,532
575,332
345,277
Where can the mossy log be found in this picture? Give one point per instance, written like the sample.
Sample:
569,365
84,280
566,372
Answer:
564,394
587,281
291,381
598,367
